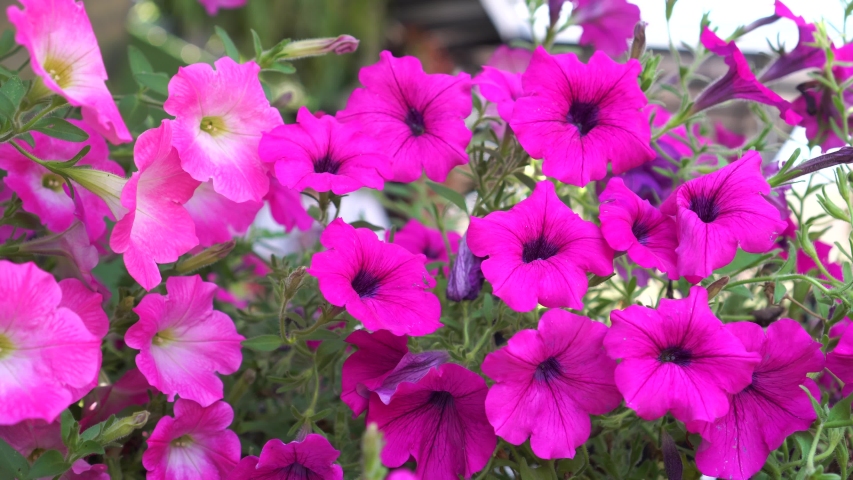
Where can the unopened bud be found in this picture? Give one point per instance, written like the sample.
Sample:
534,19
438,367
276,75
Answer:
638,46
717,286
466,278
291,284
371,448
554,9
319,46
124,427
103,184
206,257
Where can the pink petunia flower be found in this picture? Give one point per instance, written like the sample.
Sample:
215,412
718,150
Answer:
418,118
419,239
65,55
769,409
739,82
80,470
45,194
548,382
380,284
607,24
212,6
805,264
539,252
219,118
218,219
157,228
510,59
440,421
195,443
578,117
630,224
183,341
129,390
678,357
818,110
73,249
30,437
86,303
380,365
312,458
47,354
840,361
719,211
286,207
804,55
324,154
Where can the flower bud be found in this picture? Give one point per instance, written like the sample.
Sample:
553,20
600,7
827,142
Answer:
371,446
206,257
319,46
291,284
638,46
554,8
717,286
103,184
124,427
466,278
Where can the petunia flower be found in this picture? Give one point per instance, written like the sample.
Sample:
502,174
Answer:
183,341
804,55
719,211
548,382
30,437
286,207
466,274
817,108
632,225
64,53
218,219
312,458
840,361
241,292
381,284
157,228
129,390
212,6
380,365
73,249
219,118
440,421
769,409
805,264
81,470
418,118
419,239
607,24
503,86
195,443
578,117
539,252
325,155
739,82
87,304
46,352
677,358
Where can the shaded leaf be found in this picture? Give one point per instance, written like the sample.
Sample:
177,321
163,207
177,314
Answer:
263,343
49,464
453,196
158,82
230,48
138,62
60,128
12,463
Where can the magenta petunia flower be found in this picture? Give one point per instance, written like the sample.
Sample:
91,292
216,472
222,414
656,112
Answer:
381,284
183,341
80,470
286,207
157,228
310,459
131,389
679,358
719,211
818,110
607,24
47,353
440,421
419,239
840,361
578,117
631,224
739,82
212,6
64,53
324,154
805,264
769,409
381,363
804,55
418,118
500,80
217,219
539,252
548,382
195,443
219,118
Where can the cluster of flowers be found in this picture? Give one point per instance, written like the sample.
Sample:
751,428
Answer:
202,176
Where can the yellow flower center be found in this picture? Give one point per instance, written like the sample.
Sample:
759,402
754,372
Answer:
163,337
6,347
213,125
183,441
52,181
59,71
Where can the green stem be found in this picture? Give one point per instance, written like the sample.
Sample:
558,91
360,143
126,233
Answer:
810,469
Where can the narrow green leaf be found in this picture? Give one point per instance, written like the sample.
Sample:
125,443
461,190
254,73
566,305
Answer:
28,138
14,90
133,111
49,464
7,41
840,412
453,196
138,62
779,291
821,413
7,109
158,82
281,67
230,48
256,42
66,425
263,343
12,463
89,447
527,181
364,224
59,128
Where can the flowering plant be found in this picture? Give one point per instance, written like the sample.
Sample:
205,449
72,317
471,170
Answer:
625,289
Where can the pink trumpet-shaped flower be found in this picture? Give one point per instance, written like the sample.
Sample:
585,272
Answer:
157,228
817,108
33,436
212,6
607,24
840,361
548,382
804,55
286,207
195,443
219,118
129,390
500,80
218,219
183,342
677,358
310,459
417,238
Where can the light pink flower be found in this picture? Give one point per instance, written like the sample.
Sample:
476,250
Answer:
607,24
131,389
217,219
286,207
64,54
312,458
212,6
46,351
219,118
417,238
195,443
183,342
74,251
87,304
157,228
80,470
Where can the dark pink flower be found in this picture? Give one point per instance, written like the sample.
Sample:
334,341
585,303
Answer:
739,82
719,211
419,119
33,436
539,252
818,110
548,382
510,59
805,263
804,55
500,80
212,6
840,361
195,443
728,138
381,284
677,358
381,363
630,224
218,219
418,239
286,207
769,409
607,24
325,155
310,459
440,421
578,117
131,389
80,470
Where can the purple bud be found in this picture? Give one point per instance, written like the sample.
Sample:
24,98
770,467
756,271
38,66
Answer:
554,7
466,278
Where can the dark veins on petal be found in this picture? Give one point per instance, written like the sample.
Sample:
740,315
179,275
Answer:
298,471
583,115
441,400
326,165
705,207
365,284
641,232
538,249
676,355
415,121
548,370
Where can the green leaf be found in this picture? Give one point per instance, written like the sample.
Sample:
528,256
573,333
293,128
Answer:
27,137
133,111
59,128
527,181
363,224
158,82
453,196
263,343
92,432
12,463
14,90
230,48
138,62
89,447
779,291
256,42
670,4
49,464
528,473
66,425
741,260
279,67
7,109
7,41
839,415
821,413
322,334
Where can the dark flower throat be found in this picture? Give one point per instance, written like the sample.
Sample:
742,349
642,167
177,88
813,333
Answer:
641,232
415,121
583,115
365,284
676,355
326,165
538,249
706,208
548,370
